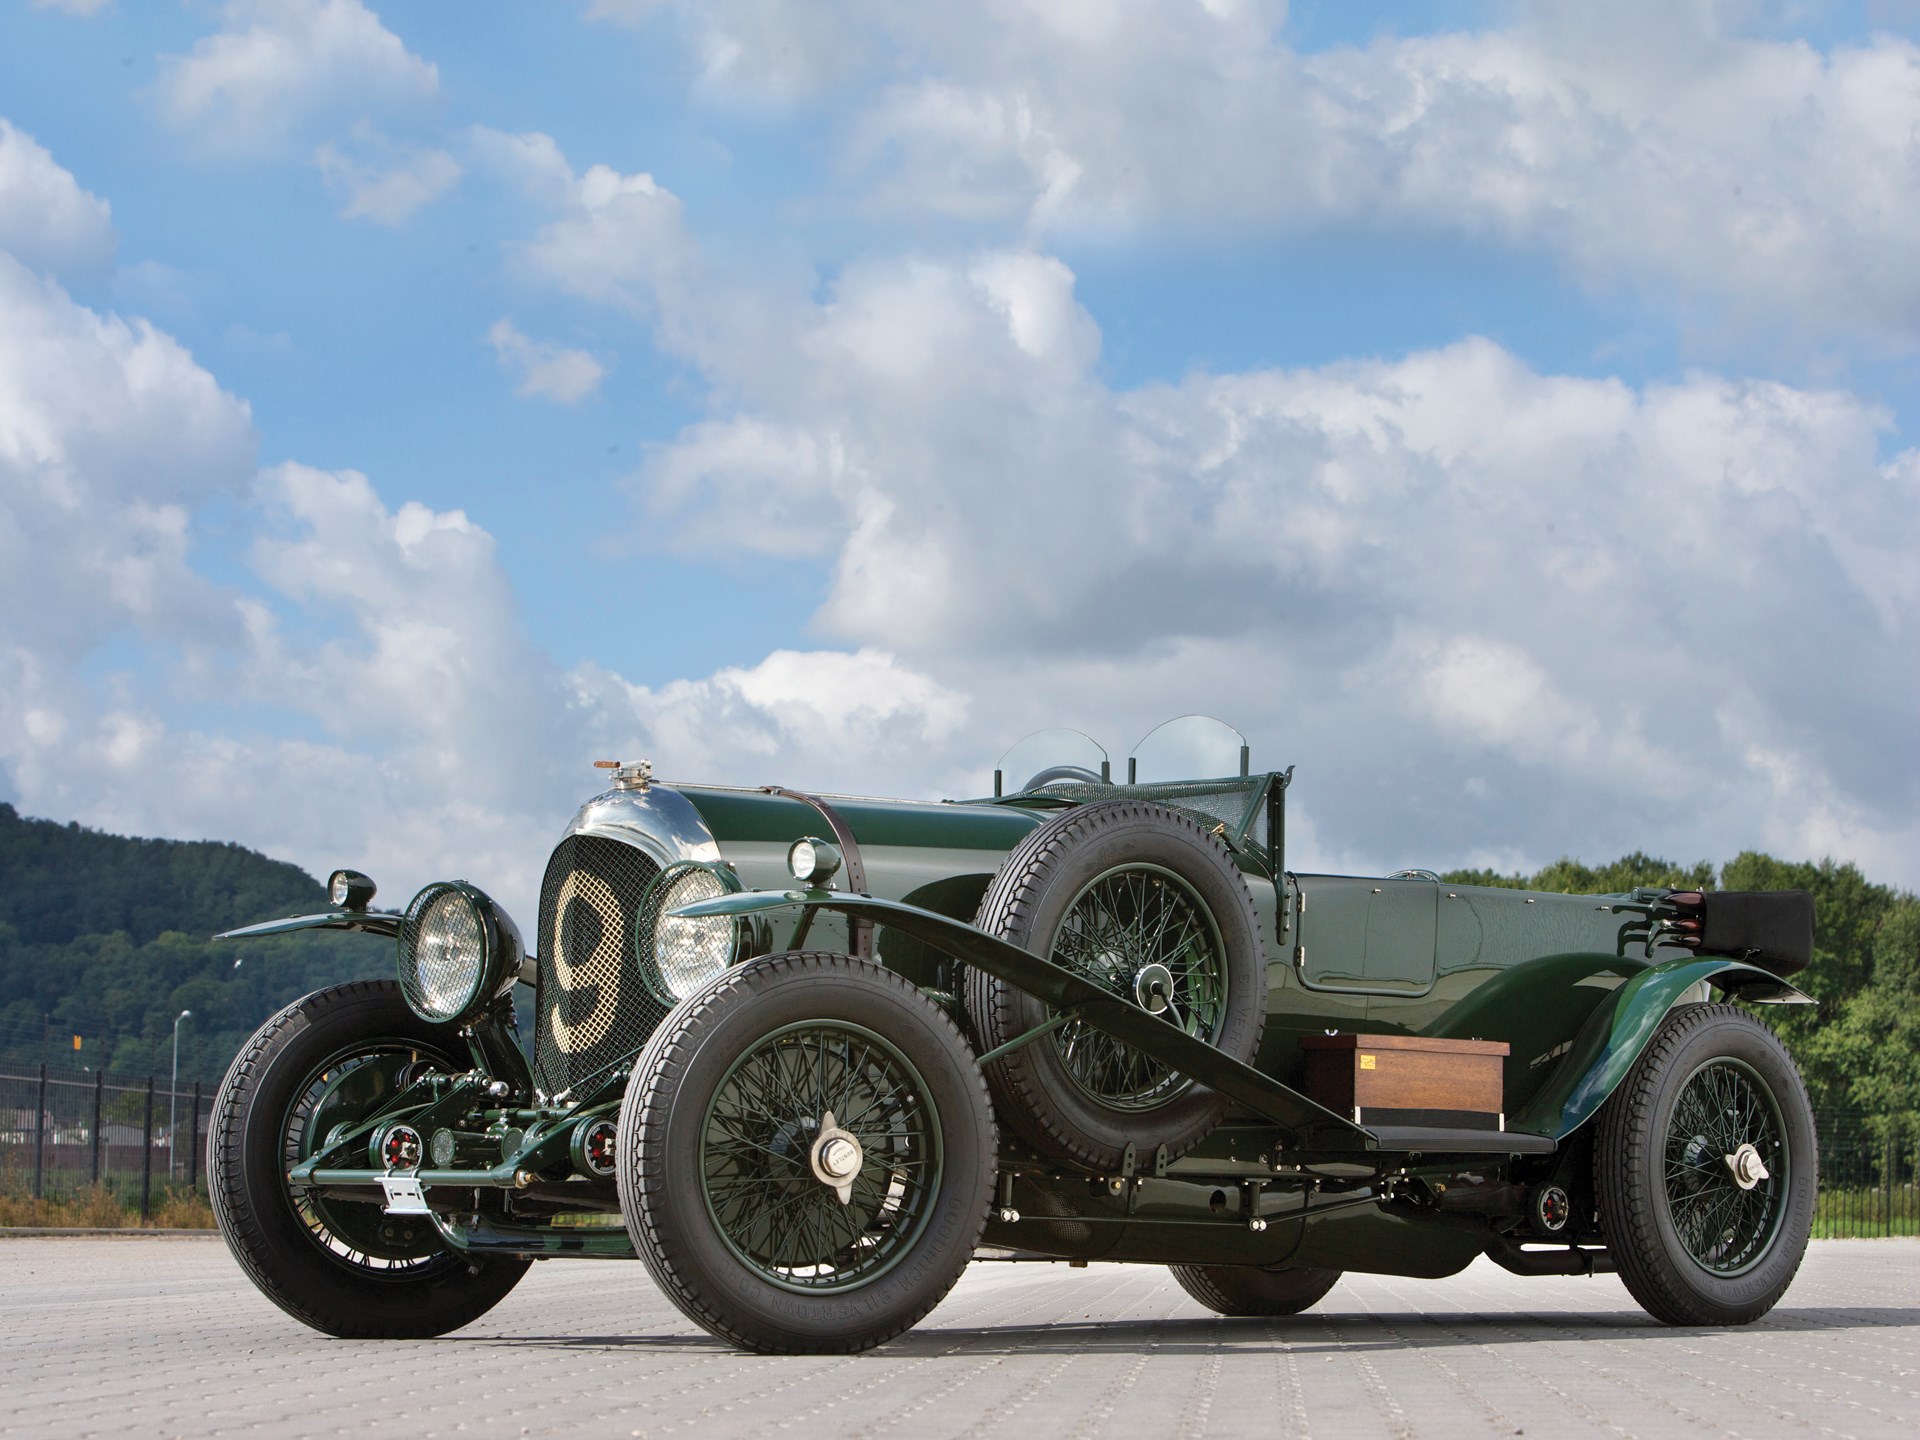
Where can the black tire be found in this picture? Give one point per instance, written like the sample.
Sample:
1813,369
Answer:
723,1126
1078,1095
1244,1290
1695,1246
339,1266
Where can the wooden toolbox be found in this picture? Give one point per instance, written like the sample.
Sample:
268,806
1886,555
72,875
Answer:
1409,1079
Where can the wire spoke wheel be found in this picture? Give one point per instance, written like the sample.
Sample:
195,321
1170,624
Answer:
1704,1166
338,1093
759,1156
1149,905
806,1154
310,1078
1121,923
1725,1226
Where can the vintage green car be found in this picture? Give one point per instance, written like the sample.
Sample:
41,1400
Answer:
807,1056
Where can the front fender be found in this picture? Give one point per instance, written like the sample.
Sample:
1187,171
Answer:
1618,1031
1310,1123
371,922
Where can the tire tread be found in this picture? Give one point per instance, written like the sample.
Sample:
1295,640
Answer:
1213,1286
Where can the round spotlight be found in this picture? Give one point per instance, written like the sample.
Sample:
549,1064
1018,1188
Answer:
681,953
456,953
813,862
349,890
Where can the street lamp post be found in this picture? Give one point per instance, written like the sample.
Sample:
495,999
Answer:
173,1090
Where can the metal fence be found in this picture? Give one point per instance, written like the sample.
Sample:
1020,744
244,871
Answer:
1869,1175
64,1131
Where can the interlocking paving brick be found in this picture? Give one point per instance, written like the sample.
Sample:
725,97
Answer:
156,1336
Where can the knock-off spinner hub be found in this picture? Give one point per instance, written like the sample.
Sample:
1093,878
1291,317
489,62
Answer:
1153,988
836,1158
1747,1167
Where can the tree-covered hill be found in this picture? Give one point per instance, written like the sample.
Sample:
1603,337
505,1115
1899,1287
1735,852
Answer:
109,938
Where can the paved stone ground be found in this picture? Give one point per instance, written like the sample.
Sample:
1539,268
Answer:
159,1336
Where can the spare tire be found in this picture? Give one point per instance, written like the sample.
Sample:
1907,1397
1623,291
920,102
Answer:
1144,901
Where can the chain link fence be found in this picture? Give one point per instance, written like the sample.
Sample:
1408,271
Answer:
64,1132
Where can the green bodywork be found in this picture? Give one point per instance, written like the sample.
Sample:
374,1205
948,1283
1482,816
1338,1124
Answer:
1618,1028
1570,983
1303,1121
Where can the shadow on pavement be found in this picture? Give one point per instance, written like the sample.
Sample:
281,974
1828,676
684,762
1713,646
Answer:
1330,1332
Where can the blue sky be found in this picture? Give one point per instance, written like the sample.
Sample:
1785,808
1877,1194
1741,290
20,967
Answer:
1504,413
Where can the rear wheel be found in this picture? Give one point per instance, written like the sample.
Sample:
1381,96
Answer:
1704,1169
1142,901
342,1266
806,1155
1247,1290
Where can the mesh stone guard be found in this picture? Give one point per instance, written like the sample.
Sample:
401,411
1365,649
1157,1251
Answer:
595,1012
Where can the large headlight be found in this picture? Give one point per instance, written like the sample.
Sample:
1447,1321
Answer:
679,954
457,952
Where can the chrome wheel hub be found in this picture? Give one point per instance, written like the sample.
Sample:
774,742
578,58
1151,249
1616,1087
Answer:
1153,988
1747,1168
836,1158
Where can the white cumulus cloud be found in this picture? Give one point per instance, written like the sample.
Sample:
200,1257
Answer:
609,236
543,370
110,436
767,51
379,181
1466,590
277,66
1684,148
47,220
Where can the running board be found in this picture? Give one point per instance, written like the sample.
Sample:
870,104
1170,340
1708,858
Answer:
1430,1140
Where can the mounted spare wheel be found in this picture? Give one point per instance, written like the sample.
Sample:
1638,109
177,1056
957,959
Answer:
1143,901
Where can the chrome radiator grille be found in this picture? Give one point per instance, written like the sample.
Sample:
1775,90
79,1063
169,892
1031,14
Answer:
594,1012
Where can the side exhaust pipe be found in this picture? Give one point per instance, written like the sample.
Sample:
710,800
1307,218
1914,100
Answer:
1556,1260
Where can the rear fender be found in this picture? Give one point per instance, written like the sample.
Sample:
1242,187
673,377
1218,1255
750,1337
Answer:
1620,1027
1309,1123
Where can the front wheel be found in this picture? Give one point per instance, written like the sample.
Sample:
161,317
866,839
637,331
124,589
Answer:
342,1266
1704,1169
806,1155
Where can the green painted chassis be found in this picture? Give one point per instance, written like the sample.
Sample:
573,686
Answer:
1283,1181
